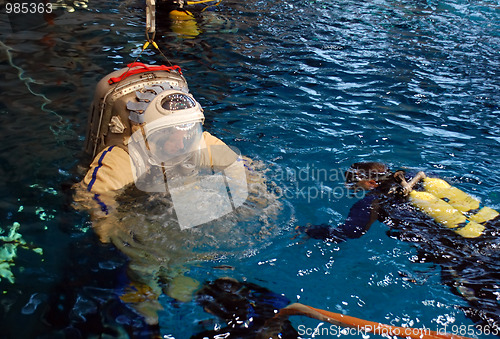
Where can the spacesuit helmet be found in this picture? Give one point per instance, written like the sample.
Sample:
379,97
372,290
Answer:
171,129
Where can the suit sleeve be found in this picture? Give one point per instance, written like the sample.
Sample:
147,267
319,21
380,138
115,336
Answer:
110,171
362,214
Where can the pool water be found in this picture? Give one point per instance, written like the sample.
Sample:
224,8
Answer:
305,88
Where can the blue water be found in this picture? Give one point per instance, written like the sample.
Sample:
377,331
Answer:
303,87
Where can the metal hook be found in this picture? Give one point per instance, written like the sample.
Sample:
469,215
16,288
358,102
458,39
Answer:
150,19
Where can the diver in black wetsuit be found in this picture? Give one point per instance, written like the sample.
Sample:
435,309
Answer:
248,310
471,267
386,191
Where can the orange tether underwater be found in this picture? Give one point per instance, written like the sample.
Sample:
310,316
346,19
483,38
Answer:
364,325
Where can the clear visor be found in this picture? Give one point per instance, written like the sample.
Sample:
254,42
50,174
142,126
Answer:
170,144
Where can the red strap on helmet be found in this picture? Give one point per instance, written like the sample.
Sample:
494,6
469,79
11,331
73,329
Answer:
139,67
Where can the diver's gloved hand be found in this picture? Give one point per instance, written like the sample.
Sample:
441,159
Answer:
403,188
406,187
322,232
400,190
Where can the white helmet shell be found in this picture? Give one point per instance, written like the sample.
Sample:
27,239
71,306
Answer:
172,108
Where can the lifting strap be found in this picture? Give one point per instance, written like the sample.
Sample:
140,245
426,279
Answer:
139,67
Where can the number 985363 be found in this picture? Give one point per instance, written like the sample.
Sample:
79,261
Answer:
28,8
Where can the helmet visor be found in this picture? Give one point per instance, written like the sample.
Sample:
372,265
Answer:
171,143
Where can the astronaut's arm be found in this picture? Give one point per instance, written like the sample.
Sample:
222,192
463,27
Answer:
109,173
